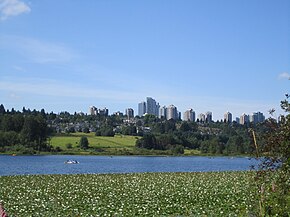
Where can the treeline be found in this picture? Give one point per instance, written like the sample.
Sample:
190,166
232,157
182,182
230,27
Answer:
24,132
209,138
29,131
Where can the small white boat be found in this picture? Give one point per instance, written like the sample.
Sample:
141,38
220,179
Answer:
71,162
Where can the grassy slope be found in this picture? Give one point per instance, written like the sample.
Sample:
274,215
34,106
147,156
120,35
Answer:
106,144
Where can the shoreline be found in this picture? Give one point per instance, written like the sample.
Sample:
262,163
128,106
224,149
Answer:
125,155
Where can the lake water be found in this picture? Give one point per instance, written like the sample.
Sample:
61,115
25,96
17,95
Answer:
54,164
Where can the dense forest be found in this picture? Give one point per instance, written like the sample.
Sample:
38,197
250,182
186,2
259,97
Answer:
29,132
24,131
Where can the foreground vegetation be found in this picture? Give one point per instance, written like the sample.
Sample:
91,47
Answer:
147,194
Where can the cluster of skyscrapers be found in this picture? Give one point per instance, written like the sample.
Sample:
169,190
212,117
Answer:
207,117
255,117
94,111
150,106
105,112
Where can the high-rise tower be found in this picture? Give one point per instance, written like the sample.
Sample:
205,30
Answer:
228,117
189,115
141,108
171,113
208,117
151,106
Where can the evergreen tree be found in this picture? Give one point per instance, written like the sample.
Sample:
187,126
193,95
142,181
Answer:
2,109
84,142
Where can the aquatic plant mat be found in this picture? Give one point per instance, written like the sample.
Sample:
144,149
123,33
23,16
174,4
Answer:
151,194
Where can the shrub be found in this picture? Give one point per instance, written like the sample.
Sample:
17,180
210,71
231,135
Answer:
68,146
273,176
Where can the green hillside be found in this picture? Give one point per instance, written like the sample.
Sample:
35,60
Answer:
98,144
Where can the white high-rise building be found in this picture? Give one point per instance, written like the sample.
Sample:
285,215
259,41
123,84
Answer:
228,117
244,119
171,113
189,115
162,112
141,108
253,118
201,117
93,110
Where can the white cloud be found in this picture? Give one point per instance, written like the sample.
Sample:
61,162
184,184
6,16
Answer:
10,8
44,52
36,50
46,87
18,68
284,75
14,96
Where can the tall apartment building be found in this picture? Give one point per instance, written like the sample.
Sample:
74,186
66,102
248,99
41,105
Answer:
141,108
129,113
257,117
228,117
201,117
172,113
152,107
244,119
208,117
93,110
103,112
162,112
189,115
253,118
148,107
261,117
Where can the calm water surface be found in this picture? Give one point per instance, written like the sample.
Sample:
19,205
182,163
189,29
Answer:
54,164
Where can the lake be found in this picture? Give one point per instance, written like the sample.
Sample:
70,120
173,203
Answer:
54,164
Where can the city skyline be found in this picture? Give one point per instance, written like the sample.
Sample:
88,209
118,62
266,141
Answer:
167,112
208,55
152,107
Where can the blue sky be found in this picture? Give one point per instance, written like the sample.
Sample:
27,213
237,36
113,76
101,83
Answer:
209,55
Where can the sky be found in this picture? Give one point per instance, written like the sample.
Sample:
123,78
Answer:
208,55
